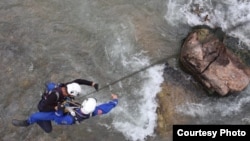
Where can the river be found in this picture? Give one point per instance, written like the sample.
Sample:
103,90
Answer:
118,43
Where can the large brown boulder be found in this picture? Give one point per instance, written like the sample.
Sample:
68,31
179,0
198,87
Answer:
207,58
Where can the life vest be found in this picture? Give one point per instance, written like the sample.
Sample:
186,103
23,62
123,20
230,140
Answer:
49,88
80,116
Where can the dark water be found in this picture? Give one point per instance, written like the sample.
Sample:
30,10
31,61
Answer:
106,41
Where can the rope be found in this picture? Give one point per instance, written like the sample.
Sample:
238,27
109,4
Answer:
73,102
130,75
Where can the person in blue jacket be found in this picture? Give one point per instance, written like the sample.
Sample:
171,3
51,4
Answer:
74,115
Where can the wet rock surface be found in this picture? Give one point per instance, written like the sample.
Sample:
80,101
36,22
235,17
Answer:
215,66
178,88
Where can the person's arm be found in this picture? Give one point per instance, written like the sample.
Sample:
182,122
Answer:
106,107
86,82
83,82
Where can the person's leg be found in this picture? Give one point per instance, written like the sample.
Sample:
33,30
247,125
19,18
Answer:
41,116
64,120
36,117
45,125
51,116
20,123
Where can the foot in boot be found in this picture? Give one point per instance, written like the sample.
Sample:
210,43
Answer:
23,123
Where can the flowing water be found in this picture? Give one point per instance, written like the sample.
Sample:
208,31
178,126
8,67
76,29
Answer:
114,43
234,19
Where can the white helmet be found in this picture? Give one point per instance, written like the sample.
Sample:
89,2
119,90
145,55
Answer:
88,106
74,89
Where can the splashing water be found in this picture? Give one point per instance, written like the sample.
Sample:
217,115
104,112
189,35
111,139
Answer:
138,104
232,16
139,120
211,110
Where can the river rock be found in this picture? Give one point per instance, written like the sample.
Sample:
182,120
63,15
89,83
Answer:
177,90
205,56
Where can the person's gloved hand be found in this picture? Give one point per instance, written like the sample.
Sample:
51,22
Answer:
73,113
60,109
96,86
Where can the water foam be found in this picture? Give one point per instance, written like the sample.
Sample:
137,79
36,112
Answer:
142,125
226,107
136,118
232,16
